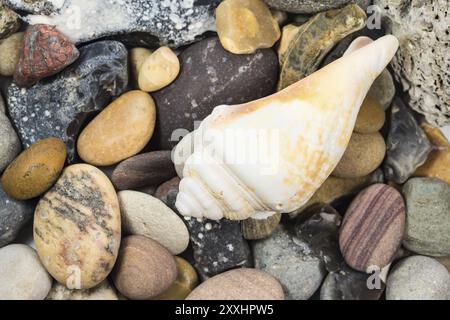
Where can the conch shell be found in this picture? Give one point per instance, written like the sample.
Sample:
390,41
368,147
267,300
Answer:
272,154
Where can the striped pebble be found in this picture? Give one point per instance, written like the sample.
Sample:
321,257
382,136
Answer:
373,228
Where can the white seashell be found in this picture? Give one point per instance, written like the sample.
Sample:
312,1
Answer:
272,154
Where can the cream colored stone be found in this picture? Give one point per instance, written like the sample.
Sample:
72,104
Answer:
77,227
103,291
137,59
10,50
159,70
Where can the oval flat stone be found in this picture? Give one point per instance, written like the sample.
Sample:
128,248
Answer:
120,131
104,291
147,169
239,284
35,170
371,117
77,227
22,276
9,142
148,216
144,268
373,227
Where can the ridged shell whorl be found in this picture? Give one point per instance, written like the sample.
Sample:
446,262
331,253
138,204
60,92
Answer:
272,154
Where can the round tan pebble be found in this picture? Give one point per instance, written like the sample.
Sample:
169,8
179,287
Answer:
10,50
159,70
120,131
364,154
103,291
186,281
239,284
144,268
137,59
35,170
371,117
77,227
244,26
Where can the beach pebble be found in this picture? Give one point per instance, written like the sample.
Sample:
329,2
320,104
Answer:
245,26
217,246
260,228
312,6
186,281
104,291
239,284
14,215
291,261
10,49
2,104
137,56
371,117
147,169
383,89
35,170
9,21
10,145
148,216
210,76
407,144
438,161
77,227
427,216
22,275
418,278
144,268
46,51
445,261
120,131
378,214
159,70
167,188
364,153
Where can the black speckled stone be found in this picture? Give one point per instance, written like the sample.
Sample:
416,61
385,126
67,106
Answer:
407,144
218,246
13,216
61,105
171,22
211,76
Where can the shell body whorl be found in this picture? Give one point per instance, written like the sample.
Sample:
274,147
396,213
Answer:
272,154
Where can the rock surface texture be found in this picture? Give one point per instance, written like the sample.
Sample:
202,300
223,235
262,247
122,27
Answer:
62,104
422,62
172,22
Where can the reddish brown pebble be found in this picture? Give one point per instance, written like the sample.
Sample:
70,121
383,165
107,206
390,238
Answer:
144,268
147,169
373,227
46,51
239,284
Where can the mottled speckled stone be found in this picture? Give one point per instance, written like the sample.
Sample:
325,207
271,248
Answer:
35,170
427,216
315,39
63,103
292,262
77,227
239,284
312,6
9,142
104,291
218,246
9,21
210,76
14,215
407,144
378,214
22,275
418,278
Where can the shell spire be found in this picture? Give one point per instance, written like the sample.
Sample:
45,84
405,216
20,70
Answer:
272,154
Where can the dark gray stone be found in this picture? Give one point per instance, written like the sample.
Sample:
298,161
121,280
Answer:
348,284
313,6
13,216
318,226
407,144
61,105
218,246
211,76
173,22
